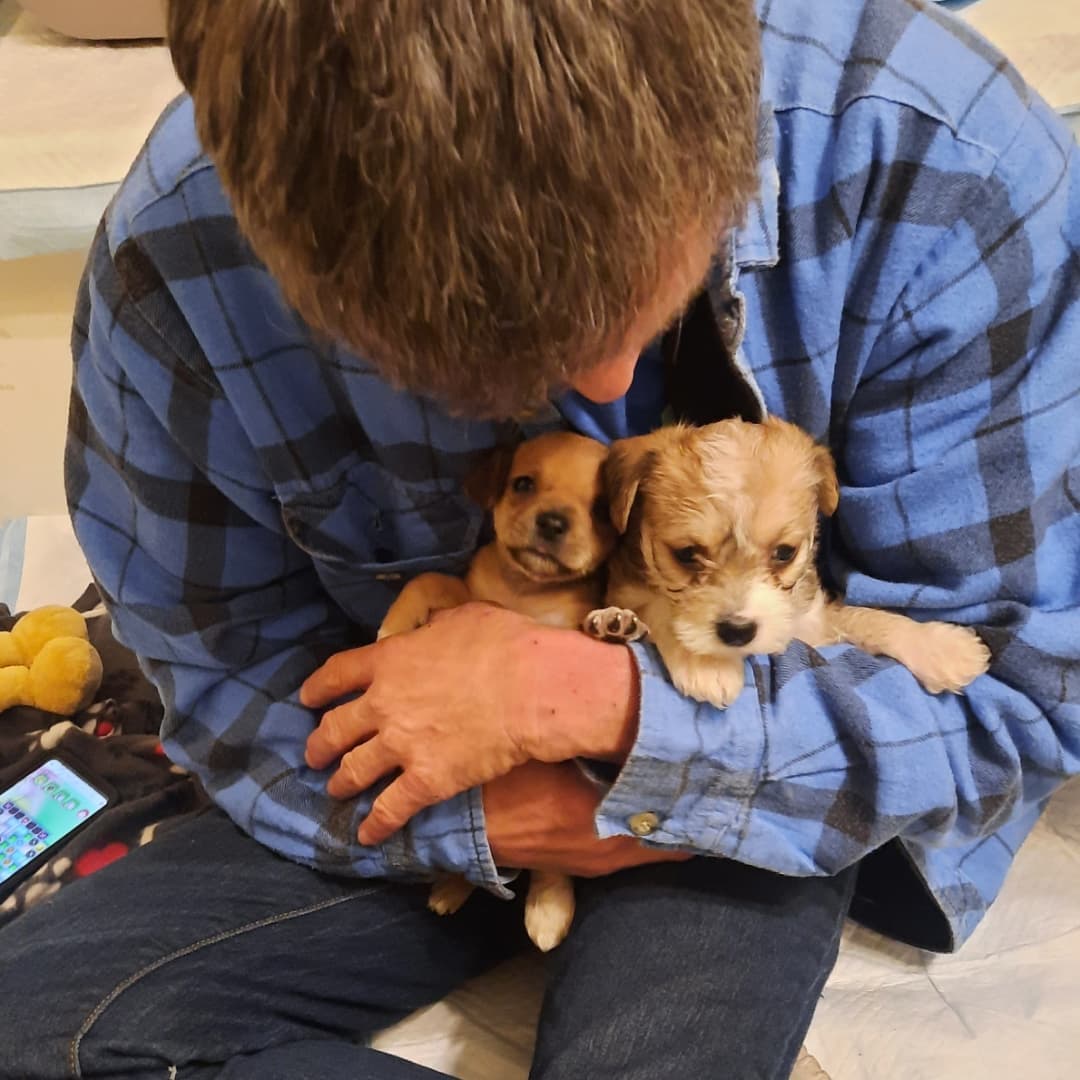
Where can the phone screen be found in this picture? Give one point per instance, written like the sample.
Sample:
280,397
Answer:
40,810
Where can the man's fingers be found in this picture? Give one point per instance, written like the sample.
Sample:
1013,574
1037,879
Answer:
344,673
393,808
339,731
360,768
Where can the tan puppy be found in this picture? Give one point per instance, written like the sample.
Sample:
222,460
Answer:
717,561
552,538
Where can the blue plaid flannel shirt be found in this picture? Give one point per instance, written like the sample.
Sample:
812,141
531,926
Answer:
906,288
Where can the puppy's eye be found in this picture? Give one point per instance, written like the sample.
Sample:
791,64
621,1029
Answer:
783,554
600,509
523,484
687,556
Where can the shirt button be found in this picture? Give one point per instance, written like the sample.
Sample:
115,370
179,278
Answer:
644,824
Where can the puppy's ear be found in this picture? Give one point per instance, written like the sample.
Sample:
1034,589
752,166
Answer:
828,489
486,480
627,464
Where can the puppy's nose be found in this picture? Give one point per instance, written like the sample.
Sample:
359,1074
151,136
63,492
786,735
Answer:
736,632
551,524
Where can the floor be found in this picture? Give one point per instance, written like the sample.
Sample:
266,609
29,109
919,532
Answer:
36,299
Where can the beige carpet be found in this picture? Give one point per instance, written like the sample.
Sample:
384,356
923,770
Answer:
1041,37
73,114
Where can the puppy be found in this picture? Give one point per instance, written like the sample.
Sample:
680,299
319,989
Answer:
717,561
553,536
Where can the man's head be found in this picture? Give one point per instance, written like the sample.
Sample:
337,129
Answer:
488,198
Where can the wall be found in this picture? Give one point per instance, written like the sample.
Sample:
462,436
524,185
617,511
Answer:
36,300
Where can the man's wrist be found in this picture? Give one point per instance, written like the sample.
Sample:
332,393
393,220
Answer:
587,698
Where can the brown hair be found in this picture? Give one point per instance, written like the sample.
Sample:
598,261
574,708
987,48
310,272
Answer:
477,194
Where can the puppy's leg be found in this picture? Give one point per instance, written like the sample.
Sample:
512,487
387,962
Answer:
715,680
449,893
420,599
942,656
615,624
549,908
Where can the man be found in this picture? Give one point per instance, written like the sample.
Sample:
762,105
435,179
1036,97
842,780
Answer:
377,239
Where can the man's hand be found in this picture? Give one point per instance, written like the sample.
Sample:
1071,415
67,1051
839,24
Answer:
541,817
460,702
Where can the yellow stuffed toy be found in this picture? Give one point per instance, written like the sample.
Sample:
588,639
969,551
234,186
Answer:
47,662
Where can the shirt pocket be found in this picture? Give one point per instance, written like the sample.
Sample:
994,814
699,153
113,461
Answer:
371,532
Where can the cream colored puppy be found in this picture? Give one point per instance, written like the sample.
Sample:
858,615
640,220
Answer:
552,538
717,561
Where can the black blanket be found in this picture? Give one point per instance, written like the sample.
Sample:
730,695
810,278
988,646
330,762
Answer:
116,740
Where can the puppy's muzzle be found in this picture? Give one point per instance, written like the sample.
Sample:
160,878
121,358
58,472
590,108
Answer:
736,632
552,525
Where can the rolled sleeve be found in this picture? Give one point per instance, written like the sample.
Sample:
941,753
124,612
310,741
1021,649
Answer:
692,771
452,834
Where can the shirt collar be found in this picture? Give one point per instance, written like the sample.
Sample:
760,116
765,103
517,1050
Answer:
756,241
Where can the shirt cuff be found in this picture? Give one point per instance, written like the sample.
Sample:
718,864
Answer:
692,771
448,838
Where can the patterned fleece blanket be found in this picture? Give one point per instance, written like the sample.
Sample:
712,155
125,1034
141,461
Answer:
116,739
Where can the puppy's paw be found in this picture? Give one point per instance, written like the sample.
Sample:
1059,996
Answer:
401,622
614,624
419,600
549,909
409,611
448,894
708,679
944,657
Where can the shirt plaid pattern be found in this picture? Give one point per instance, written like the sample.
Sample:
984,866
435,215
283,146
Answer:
906,288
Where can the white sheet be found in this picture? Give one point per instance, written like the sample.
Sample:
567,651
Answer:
1007,1007
53,568
72,118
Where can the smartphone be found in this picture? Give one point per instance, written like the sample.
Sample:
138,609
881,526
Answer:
44,808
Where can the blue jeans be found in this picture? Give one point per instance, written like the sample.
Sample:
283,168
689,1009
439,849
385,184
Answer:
204,955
